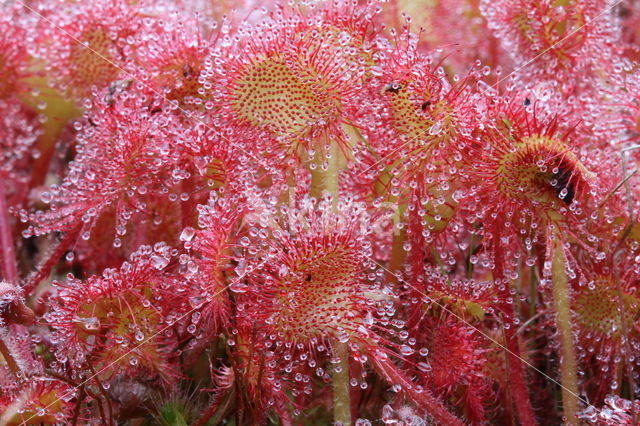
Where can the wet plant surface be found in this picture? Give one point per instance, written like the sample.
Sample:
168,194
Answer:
319,212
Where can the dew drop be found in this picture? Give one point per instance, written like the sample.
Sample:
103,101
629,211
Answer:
187,234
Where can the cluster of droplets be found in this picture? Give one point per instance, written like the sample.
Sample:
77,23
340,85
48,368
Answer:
617,411
102,323
44,401
561,34
327,214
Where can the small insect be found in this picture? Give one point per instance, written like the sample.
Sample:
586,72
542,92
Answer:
393,87
624,11
116,87
561,180
187,71
425,105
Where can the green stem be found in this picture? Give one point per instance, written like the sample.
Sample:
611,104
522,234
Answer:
561,299
398,254
326,181
341,396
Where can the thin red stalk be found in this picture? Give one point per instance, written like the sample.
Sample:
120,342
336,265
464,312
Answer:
395,13
76,410
424,398
103,417
10,270
103,392
8,357
283,414
9,266
213,407
519,390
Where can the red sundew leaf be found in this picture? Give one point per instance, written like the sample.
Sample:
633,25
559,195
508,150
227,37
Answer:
223,159
84,41
118,324
89,45
561,38
257,375
417,105
523,177
313,285
311,290
139,173
417,124
299,76
605,306
423,397
171,60
125,154
42,400
469,298
305,288
456,365
213,249
617,118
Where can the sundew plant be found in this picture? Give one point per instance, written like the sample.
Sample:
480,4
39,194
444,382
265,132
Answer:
347,212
